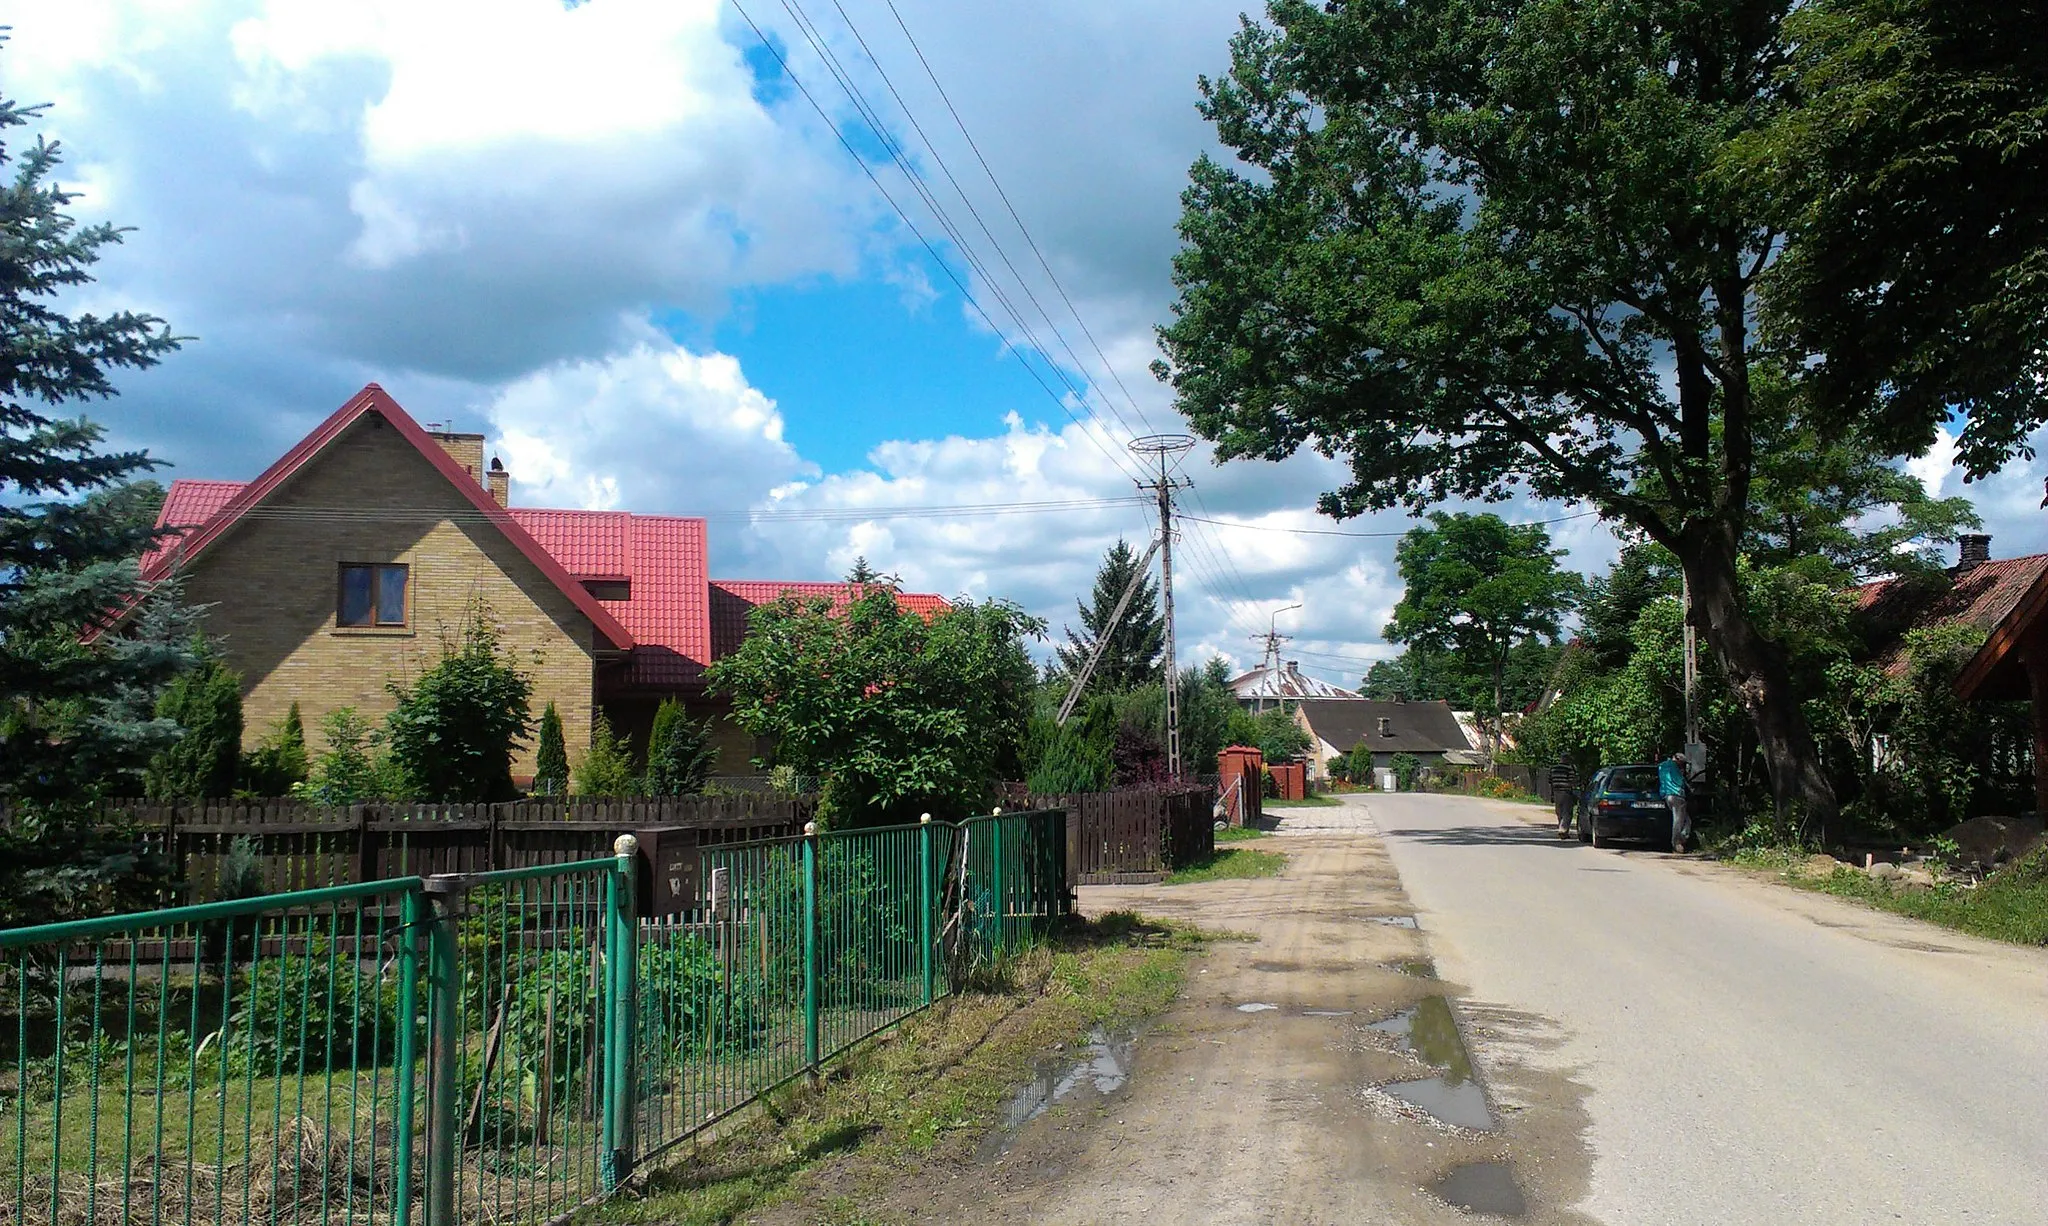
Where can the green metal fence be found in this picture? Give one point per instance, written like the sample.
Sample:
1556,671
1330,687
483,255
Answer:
495,1047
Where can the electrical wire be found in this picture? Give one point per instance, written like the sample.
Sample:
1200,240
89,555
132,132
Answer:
932,148
1004,196
1534,523
427,514
967,295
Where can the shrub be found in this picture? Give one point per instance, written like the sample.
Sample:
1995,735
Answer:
1407,769
453,730
206,704
278,763
295,1008
607,770
679,752
351,770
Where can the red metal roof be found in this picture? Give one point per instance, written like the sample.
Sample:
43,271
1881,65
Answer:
371,400
733,599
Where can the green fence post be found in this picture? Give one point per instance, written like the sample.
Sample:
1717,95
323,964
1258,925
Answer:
621,949
995,876
412,913
444,1044
925,902
811,947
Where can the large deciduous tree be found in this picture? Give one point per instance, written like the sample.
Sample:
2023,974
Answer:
1909,181
896,715
1131,657
77,707
1480,250
1480,587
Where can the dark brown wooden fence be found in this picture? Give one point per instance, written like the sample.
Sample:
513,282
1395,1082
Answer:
1133,836
288,845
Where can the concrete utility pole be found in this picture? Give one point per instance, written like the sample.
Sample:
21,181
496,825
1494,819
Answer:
1163,448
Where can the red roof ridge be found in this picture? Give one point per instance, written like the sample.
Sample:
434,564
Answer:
373,399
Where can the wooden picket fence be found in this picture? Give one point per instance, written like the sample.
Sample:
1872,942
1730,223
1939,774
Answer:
1132,836
290,845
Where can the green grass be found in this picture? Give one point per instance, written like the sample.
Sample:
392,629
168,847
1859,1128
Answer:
1241,834
1229,863
1309,802
2011,905
925,1092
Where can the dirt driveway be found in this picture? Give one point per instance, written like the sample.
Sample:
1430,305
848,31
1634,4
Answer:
1254,1099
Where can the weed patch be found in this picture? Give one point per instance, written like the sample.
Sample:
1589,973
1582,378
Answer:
1228,863
2010,905
1241,834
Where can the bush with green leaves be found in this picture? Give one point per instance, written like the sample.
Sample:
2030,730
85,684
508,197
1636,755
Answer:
206,704
1407,770
353,768
454,730
292,1009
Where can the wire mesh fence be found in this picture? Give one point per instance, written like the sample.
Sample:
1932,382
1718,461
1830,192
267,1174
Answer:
496,1047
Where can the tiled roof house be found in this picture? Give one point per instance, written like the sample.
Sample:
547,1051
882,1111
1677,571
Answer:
339,568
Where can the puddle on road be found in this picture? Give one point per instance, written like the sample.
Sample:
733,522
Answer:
1326,1013
1430,1031
1483,1187
1103,1065
1256,1007
1414,970
1392,921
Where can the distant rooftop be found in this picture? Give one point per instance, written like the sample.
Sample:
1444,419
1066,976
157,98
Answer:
1287,681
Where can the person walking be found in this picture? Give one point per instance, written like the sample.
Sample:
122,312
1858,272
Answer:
1671,781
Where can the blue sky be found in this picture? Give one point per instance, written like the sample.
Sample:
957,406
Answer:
615,239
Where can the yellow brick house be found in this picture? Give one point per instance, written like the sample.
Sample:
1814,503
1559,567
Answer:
345,565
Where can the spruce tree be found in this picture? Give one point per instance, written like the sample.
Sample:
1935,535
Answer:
679,752
862,572
551,758
1135,644
77,718
206,704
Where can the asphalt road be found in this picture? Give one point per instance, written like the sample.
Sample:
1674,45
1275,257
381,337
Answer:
1752,1054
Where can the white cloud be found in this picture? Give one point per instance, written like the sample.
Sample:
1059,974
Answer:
654,428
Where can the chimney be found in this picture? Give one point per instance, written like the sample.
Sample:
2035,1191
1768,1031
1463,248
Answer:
500,482
1974,552
466,450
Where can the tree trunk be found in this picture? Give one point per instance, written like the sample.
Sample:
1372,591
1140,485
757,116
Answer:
1758,677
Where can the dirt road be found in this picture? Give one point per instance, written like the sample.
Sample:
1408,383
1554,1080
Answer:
1753,1054
1253,1100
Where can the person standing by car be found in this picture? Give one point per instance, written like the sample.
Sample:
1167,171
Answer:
1564,784
1671,782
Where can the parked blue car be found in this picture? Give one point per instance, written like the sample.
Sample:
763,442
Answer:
1624,803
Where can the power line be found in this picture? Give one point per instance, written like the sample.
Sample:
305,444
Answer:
960,191
783,63
421,513
1534,523
988,170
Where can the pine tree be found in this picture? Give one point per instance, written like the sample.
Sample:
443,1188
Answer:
862,572
607,770
206,704
77,718
1135,645
551,759
679,752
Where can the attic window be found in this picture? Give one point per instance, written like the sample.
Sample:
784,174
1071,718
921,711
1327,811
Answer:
371,595
1386,726
609,589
